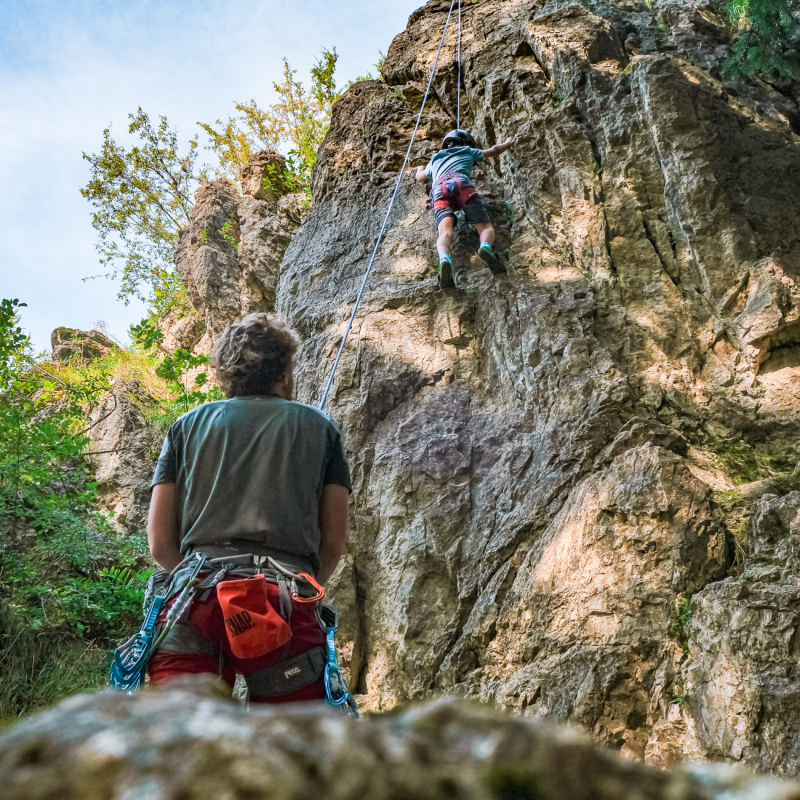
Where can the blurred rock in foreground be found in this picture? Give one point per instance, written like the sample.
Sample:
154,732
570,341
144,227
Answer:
191,742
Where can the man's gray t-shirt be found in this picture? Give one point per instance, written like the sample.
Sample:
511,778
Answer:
253,468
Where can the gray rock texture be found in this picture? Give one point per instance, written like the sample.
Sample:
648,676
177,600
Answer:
125,448
742,676
68,343
230,254
190,742
534,518
181,329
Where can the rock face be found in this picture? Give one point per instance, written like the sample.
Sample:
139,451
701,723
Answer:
230,254
181,331
125,448
68,343
184,743
742,675
531,524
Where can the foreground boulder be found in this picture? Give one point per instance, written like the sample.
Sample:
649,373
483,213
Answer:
192,742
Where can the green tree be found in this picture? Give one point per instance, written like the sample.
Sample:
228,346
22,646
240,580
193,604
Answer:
142,198
300,119
767,42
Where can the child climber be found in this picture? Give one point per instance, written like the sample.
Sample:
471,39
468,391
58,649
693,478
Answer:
450,170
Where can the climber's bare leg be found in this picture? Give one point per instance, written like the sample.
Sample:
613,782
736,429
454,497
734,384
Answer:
487,254
445,240
485,231
443,245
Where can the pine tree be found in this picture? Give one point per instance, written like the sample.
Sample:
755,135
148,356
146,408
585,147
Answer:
768,41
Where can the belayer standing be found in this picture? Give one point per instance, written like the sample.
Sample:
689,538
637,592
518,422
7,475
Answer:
249,511
450,171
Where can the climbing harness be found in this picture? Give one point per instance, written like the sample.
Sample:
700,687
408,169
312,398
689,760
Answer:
453,191
367,274
242,595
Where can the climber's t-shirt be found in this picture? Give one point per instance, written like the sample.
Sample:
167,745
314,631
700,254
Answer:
253,468
458,160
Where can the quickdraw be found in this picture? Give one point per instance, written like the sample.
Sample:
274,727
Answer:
130,659
337,690
129,664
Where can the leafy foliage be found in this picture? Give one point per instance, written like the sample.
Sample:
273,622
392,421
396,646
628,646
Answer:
70,586
175,370
57,594
142,198
768,42
300,118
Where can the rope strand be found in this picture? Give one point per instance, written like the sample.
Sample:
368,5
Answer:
329,384
458,62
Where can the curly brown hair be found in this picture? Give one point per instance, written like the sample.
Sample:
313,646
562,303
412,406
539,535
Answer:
253,354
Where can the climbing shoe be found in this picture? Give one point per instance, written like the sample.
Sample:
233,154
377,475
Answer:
491,259
446,274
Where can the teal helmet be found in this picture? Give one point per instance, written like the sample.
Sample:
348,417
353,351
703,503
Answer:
459,138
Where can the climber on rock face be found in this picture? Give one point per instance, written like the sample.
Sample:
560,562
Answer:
259,486
450,171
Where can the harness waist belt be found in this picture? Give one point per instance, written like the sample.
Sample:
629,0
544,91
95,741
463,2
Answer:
238,547
288,676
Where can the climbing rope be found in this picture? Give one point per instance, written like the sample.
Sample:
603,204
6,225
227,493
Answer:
364,282
458,62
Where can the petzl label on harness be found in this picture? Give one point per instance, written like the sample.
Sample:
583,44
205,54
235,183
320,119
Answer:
254,627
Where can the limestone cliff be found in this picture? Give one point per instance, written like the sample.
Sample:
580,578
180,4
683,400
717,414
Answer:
536,456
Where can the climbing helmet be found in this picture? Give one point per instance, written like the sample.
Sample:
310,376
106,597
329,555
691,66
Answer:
459,138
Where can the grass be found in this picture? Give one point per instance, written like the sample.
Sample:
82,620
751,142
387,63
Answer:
42,668
62,614
744,464
118,365
680,698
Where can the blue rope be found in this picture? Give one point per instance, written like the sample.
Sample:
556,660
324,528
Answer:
386,218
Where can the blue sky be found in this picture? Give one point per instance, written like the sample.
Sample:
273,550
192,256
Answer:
69,68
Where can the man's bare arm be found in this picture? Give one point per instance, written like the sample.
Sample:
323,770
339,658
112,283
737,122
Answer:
495,151
419,174
163,534
334,517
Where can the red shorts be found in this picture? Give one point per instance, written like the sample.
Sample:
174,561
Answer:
199,644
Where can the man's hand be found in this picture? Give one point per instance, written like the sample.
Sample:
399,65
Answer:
163,534
495,151
334,517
